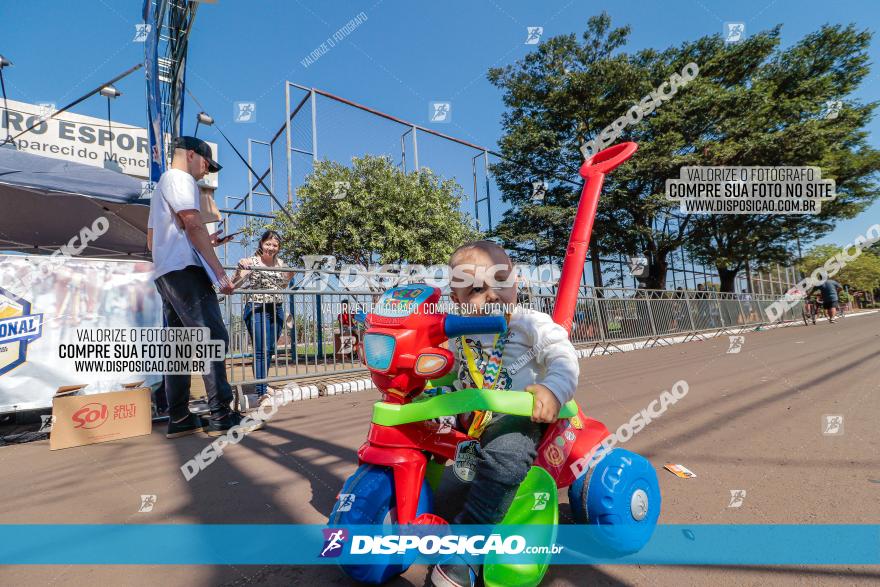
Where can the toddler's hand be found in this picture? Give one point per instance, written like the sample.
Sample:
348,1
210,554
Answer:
546,407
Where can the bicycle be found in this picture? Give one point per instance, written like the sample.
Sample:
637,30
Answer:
809,311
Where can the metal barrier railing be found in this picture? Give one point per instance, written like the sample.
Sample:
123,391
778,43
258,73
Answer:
312,335
315,333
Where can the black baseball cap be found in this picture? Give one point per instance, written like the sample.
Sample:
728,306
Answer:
200,147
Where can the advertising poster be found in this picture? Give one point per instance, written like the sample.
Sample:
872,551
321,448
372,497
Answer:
70,294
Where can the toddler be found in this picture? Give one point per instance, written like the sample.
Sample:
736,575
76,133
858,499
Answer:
534,355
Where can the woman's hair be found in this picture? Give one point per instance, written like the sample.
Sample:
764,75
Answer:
269,234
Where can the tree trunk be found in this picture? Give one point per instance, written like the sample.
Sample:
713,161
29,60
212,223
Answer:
597,268
658,269
749,277
728,278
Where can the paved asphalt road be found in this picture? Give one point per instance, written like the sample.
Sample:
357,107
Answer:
751,421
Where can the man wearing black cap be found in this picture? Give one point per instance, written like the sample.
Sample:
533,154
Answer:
188,299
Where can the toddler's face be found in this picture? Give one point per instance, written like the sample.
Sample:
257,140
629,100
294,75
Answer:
482,283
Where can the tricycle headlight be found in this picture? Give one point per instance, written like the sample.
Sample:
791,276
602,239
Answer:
379,350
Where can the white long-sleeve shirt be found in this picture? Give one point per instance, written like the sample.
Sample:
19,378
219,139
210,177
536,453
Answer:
537,351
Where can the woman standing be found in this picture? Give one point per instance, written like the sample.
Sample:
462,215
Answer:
263,312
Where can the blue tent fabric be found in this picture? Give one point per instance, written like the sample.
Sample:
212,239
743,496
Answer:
27,170
44,202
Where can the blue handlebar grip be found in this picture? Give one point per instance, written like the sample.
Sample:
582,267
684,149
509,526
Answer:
360,317
461,325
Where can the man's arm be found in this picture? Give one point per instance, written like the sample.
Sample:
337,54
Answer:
200,239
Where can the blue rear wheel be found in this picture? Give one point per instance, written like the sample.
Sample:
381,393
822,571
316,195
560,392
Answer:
620,499
368,498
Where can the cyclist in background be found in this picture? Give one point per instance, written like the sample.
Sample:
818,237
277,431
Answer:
830,299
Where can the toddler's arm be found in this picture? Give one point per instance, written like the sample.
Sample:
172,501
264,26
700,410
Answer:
555,354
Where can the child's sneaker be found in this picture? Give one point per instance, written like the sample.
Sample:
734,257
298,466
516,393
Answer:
453,572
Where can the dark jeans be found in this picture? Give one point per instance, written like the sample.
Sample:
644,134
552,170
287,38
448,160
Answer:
508,448
264,323
160,397
188,299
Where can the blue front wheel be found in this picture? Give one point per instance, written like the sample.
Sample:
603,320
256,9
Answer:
367,498
620,499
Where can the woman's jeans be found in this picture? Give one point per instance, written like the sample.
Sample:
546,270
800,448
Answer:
264,323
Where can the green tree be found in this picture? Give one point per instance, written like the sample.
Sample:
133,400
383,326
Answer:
553,95
374,212
772,113
862,273
751,104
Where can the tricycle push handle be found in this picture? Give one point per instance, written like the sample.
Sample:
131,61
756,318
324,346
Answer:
593,171
462,325
607,160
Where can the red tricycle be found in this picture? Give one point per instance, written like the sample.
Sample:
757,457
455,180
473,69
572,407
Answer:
408,444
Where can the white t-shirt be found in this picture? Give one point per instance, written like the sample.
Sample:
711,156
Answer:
537,351
176,191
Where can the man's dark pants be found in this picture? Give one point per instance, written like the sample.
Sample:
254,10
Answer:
188,299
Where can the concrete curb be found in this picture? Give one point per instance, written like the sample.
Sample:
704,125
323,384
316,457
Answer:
334,388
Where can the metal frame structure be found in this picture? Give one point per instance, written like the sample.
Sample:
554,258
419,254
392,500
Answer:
293,105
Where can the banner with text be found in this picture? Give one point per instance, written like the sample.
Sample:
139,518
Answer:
75,294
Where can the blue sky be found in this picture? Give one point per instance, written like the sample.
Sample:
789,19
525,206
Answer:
405,55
